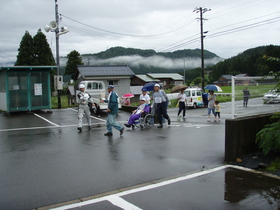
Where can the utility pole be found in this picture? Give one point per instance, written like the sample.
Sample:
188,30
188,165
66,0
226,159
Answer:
201,11
57,52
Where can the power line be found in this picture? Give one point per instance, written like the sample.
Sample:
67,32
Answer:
122,34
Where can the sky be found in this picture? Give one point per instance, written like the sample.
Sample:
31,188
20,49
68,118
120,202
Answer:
230,26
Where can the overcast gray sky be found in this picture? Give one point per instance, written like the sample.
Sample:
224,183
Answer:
163,25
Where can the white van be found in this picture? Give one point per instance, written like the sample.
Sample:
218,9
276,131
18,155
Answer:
97,91
194,97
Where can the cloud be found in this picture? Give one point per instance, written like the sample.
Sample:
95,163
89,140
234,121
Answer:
154,61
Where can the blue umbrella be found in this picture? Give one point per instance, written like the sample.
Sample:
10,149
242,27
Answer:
214,88
150,86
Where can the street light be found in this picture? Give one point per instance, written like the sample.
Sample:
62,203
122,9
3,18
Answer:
54,27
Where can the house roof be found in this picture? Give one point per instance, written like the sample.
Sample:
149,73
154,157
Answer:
146,78
228,77
105,70
241,75
173,76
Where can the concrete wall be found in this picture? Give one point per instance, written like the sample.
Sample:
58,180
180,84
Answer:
240,135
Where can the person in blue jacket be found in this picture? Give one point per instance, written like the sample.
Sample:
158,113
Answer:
112,111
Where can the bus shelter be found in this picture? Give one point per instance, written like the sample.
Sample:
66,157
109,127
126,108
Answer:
25,88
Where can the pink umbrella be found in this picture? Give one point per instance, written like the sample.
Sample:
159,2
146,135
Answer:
128,95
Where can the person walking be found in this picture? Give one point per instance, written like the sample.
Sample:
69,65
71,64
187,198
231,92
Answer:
182,99
217,111
160,101
112,111
145,95
211,104
246,95
84,99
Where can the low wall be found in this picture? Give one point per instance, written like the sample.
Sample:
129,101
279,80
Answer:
240,135
128,108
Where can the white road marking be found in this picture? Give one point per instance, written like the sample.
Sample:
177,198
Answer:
117,201
140,189
97,118
46,120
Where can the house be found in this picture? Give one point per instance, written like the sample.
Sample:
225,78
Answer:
117,75
244,81
142,79
165,79
224,80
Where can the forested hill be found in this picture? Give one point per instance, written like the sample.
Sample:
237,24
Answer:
253,62
121,51
145,61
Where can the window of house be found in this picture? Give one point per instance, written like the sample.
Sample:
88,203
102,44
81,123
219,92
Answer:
114,82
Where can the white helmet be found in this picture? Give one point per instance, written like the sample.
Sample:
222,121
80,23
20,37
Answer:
82,86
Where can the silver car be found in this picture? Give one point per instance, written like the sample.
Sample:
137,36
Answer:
272,96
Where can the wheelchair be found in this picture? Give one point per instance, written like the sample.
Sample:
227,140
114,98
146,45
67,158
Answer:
146,120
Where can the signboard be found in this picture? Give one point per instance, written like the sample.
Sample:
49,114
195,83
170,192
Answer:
38,89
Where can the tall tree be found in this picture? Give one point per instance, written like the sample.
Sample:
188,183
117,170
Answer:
74,59
42,52
25,51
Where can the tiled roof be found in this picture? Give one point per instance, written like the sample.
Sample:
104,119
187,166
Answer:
174,76
106,70
146,78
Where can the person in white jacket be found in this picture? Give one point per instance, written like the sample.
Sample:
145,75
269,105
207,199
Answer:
84,99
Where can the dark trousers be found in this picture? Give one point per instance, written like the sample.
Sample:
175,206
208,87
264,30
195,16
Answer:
182,106
161,111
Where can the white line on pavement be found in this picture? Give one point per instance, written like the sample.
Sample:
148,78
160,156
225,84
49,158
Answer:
90,116
46,120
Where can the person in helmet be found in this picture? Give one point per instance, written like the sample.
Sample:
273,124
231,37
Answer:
84,99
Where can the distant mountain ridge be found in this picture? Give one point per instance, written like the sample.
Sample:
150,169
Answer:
121,51
144,61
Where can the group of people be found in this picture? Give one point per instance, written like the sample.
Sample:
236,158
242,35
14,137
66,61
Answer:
160,104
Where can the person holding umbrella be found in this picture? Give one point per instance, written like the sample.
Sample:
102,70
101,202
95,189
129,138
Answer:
211,104
160,101
212,99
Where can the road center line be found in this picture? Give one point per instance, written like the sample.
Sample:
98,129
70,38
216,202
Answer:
46,120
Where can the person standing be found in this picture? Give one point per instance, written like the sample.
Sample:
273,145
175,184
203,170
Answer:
145,95
217,111
84,99
182,98
211,104
246,94
160,101
112,111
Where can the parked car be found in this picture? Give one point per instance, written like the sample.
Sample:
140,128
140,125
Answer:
194,98
272,96
97,91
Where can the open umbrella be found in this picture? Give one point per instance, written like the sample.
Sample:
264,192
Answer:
214,88
177,88
128,95
149,86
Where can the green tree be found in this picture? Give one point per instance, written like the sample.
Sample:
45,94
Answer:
197,81
25,51
74,59
42,52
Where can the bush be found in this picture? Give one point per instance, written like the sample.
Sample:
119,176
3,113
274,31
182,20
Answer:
268,139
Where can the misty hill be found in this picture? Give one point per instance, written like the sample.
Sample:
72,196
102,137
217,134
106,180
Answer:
252,62
144,61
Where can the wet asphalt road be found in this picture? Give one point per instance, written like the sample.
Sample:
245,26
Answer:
45,161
